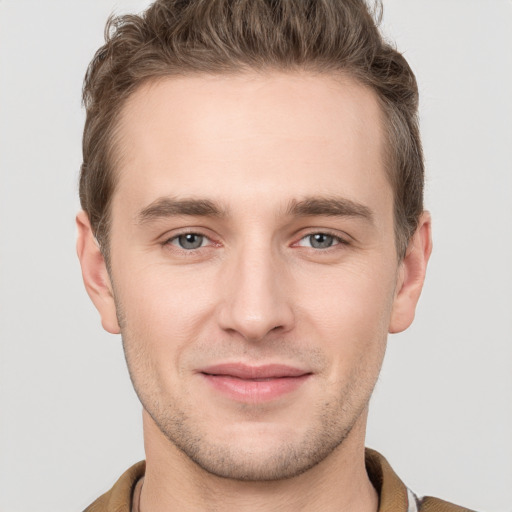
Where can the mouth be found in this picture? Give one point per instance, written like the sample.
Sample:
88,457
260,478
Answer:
246,383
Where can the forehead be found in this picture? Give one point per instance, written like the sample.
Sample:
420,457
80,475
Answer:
247,136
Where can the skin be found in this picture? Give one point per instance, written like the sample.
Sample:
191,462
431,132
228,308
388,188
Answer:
258,290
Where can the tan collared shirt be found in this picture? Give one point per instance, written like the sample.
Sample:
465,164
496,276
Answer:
393,494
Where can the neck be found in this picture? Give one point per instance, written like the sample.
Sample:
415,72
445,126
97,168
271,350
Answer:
174,482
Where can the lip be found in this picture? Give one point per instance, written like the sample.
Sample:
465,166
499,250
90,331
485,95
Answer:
247,383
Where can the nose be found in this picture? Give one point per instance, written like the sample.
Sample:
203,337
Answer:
255,300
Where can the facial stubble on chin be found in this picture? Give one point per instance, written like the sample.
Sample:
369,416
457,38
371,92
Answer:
335,419
288,461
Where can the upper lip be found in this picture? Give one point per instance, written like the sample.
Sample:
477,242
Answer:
245,371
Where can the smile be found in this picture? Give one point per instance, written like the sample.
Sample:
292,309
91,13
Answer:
246,383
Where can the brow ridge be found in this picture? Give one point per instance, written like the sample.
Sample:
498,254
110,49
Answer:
310,206
164,207
330,207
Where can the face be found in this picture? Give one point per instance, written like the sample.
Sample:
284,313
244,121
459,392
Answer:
254,275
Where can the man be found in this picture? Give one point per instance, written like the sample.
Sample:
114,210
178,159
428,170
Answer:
253,226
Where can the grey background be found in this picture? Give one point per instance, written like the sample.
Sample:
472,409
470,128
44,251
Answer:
442,411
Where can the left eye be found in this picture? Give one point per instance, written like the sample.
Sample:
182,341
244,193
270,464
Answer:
189,241
319,241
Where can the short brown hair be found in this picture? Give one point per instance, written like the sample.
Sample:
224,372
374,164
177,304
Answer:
176,37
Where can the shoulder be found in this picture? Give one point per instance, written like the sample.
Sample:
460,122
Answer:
394,495
429,504
119,498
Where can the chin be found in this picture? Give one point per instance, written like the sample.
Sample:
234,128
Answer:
254,451
282,463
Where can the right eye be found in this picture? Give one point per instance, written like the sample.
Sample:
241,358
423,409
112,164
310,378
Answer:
189,241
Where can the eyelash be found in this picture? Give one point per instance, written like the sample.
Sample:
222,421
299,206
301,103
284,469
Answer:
339,241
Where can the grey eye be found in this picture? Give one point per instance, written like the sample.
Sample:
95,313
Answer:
190,241
321,240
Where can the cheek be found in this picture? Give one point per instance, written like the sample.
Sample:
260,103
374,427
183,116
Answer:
163,311
349,312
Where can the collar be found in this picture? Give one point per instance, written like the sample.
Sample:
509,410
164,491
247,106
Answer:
393,494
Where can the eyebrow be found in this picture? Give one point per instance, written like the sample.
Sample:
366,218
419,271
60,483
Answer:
170,207
165,207
329,207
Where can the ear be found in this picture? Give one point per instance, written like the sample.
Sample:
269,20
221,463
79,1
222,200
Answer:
95,275
411,275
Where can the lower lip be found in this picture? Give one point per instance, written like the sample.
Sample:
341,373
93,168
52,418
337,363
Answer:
252,390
